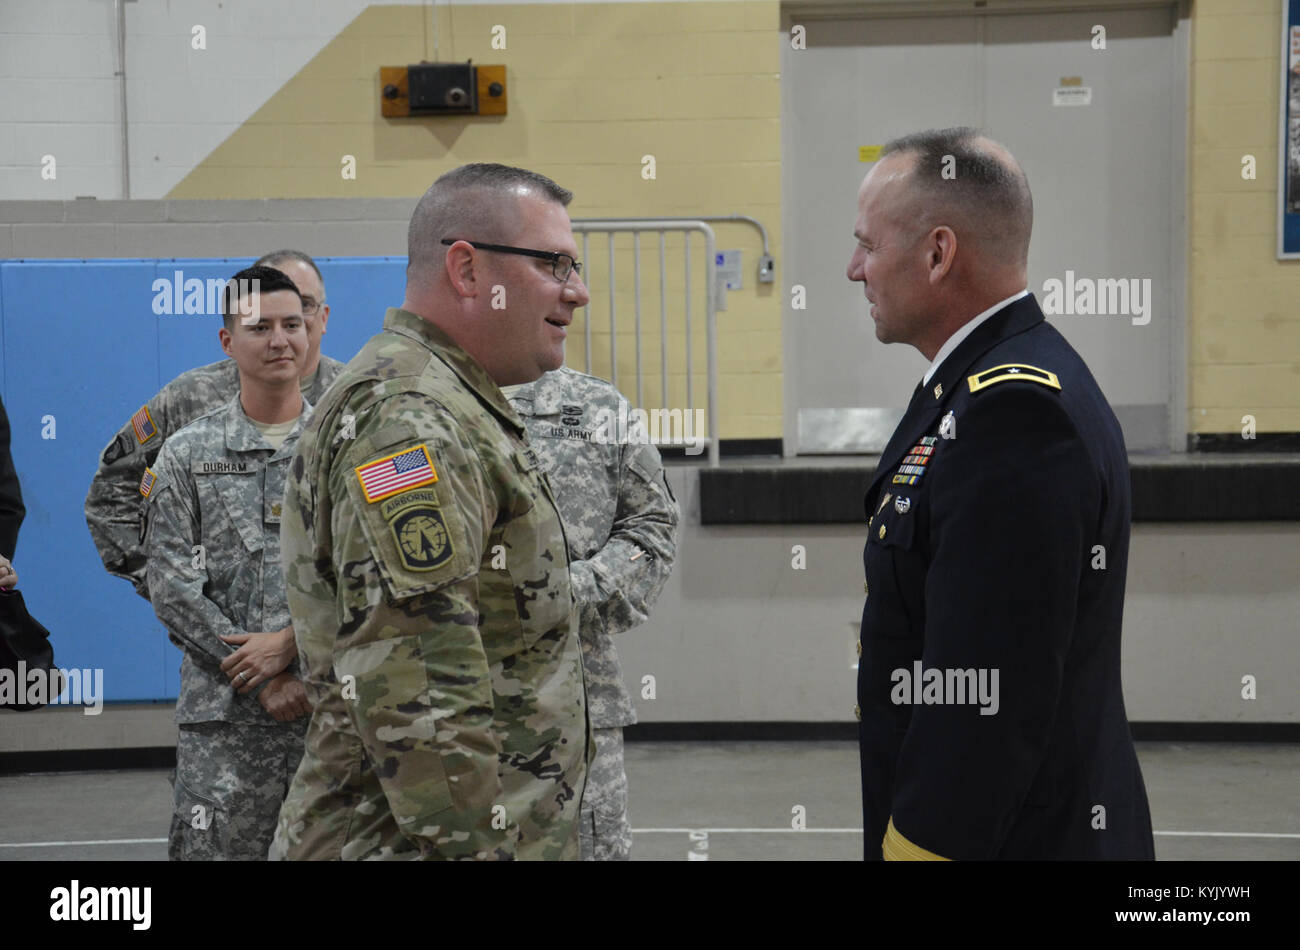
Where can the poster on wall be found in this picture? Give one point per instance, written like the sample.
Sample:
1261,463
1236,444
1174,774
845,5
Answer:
1288,210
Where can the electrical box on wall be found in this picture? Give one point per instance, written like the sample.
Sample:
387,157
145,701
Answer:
442,89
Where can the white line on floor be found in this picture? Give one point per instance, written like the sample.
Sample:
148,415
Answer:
77,844
745,831
1226,834
669,831
858,831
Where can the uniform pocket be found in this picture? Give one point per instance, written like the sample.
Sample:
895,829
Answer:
895,568
238,494
891,528
198,827
539,571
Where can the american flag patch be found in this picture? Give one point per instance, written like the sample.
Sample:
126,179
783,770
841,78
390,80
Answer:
391,474
146,482
143,425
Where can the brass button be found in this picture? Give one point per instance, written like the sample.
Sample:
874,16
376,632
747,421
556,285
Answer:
881,533
857,712
864,589
859,648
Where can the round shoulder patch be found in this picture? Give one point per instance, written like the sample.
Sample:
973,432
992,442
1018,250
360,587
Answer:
423,541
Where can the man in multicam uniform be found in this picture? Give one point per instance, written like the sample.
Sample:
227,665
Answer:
114,506
426,560
215,581
620,519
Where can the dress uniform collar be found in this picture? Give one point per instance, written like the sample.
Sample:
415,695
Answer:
929,400
243,436
466,368
1016,317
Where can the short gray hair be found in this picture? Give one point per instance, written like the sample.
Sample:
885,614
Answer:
982,197
289,254
472,203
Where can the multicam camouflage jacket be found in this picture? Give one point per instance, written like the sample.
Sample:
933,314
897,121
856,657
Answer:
433,613
114,507
213,517
620,518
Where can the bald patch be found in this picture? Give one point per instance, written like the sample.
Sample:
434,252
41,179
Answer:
986,203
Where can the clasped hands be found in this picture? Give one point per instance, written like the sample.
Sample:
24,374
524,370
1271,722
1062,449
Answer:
262,657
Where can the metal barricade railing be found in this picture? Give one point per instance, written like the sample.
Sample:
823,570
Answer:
661,227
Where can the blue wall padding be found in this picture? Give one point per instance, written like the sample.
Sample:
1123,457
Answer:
82,344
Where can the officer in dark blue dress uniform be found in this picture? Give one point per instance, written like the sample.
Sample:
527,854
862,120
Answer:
992,717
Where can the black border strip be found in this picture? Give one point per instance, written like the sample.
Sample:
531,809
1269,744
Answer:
87,760
727,449
1233,442
1191,490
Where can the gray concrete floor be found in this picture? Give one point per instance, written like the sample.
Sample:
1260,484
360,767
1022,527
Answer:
722,801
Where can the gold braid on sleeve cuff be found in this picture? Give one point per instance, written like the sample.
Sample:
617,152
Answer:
898,848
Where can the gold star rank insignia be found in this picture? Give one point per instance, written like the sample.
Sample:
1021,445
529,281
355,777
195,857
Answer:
1019,371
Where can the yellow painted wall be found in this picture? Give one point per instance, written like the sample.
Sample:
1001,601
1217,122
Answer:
1244,322
592,88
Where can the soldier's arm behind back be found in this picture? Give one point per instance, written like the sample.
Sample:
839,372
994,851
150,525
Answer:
114,506
12,510
625,577
408,566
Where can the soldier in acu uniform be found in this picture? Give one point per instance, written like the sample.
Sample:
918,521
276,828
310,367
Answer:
620,518
215,580
114,504
992,715
426,561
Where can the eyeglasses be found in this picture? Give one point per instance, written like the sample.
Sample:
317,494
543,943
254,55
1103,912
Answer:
311,306
561,264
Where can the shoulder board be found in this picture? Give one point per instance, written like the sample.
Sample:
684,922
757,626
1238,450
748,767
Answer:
1017,371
